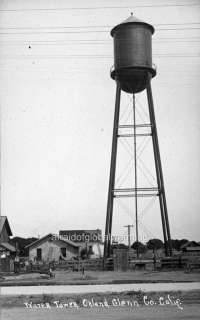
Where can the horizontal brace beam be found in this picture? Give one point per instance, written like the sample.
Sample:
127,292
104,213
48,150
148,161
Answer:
132,135
135,189
138,195
126,126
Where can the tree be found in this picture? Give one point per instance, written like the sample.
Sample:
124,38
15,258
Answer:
21,243
154,244
139,246
175,244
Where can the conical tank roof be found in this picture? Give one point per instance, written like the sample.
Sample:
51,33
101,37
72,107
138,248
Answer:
132,20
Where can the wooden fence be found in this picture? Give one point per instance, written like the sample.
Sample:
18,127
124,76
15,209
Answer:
180,262
73,265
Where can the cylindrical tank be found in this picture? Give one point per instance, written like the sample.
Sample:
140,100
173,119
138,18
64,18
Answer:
132,54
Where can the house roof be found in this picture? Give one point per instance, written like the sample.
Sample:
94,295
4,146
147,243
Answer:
81,231
82,235
54,237
68,241
4,221
8,246
190,244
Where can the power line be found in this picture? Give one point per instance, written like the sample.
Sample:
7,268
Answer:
94,31
91,56
100,7
80,43
88,27
184,28
58,32
98,41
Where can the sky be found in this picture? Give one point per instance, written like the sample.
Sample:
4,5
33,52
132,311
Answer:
57,106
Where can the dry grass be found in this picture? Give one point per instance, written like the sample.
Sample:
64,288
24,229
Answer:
108,277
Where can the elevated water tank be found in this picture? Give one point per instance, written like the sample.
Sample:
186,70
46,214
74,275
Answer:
132,54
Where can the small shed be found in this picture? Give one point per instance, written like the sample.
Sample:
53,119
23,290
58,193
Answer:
52,248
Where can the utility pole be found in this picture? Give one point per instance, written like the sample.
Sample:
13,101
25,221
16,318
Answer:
129,226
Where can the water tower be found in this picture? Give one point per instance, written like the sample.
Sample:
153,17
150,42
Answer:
133,71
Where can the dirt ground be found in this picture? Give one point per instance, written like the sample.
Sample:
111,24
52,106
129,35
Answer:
119,313
65,277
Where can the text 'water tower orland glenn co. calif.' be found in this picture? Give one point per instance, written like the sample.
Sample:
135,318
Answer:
133,71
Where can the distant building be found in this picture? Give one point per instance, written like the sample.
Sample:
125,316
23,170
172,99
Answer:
90,239
5,233
52,248
7,251
191,248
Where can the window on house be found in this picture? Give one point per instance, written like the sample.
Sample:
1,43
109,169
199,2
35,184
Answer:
63,252
39,254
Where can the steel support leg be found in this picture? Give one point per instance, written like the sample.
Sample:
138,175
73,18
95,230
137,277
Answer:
135,168
159,174
109,215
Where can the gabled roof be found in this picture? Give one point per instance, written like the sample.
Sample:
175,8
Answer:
53,237
8,246
190,244
4,221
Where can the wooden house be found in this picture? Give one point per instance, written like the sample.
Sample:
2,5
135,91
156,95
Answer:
52,248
